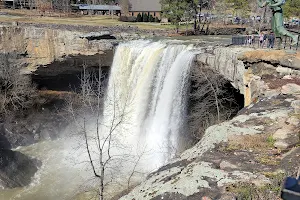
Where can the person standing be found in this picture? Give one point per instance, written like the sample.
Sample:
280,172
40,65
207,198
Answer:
271,39
265,40
261,39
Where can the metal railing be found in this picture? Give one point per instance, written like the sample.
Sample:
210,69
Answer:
253,41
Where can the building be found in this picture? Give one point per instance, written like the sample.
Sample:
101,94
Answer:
96,9
18,3
150,7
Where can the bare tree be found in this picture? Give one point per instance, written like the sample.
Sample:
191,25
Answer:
211,100
101,137
16,90
125,5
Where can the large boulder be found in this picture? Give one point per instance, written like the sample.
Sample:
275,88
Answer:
16,169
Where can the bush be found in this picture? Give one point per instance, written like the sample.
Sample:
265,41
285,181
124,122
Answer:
128,19
139,18
151,18
145,18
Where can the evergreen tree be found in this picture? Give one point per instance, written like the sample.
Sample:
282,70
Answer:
145,17
139,18
151,18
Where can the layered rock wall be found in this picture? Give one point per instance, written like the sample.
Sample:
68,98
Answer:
42,46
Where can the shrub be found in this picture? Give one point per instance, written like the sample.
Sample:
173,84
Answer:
128,19
139,18
145,17
151,18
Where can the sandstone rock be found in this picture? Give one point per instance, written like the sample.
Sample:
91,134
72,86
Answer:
282,134
227,197
95,34
271,93
287,77
281,144
227,165
293,121
206,198
289,142
290,88
296,105
284,70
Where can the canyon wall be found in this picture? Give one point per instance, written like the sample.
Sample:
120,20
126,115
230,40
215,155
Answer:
42,46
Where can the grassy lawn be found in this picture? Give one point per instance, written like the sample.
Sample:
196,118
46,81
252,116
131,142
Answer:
34,17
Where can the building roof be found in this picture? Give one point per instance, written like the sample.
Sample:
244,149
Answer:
97,7
145,5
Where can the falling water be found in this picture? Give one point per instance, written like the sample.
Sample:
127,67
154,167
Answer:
149,83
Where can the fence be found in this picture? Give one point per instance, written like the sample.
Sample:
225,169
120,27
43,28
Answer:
253,41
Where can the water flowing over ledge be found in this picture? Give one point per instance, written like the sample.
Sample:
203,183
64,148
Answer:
149,82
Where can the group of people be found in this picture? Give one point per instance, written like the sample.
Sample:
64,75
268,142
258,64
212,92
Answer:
265,39
268,37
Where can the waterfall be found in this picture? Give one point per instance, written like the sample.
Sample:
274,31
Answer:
148,88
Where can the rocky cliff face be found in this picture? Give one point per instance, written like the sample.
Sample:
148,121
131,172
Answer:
42,46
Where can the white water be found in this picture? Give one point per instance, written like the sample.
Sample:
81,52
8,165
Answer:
149,83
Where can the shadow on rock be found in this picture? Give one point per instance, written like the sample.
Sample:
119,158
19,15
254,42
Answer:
16,169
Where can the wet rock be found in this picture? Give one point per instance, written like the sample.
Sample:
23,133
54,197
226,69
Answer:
17,134
16,169
290,88
4,143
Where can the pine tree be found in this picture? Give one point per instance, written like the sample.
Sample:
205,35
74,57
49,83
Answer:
139,18
151,18
145,17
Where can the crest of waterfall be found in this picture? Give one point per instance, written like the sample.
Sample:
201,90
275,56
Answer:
147,91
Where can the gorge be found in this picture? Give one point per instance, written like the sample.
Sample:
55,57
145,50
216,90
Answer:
149,80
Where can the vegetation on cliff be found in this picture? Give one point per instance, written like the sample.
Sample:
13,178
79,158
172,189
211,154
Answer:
16,90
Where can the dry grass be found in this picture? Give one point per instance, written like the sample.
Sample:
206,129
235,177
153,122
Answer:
251,142
261,144
35,17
